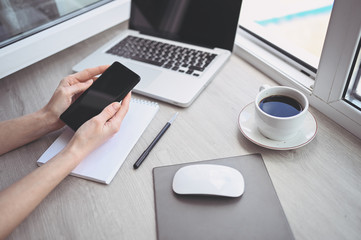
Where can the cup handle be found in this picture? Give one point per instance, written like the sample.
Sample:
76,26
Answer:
263,87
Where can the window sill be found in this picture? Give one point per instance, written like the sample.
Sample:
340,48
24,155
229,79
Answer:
288,75
273,66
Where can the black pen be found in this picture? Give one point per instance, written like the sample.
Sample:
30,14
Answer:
154,142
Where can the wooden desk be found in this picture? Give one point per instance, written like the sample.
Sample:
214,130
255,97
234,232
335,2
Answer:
319,185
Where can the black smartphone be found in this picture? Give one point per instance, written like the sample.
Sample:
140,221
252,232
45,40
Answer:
113,85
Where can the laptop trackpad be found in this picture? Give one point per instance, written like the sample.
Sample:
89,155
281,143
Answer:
146,74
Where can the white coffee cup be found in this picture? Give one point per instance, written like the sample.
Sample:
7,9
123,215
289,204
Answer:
279,128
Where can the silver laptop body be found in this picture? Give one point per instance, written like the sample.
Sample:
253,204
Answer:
177,87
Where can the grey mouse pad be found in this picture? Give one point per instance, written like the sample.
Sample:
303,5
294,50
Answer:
257,214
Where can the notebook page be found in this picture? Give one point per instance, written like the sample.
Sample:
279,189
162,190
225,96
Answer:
104,162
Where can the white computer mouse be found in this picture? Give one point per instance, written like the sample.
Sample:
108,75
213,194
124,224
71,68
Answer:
208,179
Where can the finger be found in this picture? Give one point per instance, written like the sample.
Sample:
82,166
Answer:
127,98
65,82
108,112
125,105
80,87
119,116
89,73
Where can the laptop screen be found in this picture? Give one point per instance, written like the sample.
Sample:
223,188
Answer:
207,23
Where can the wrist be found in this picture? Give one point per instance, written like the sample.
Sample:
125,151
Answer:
73,154
51,120
76,150
65,161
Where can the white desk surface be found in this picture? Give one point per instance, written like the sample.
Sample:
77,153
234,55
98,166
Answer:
319,185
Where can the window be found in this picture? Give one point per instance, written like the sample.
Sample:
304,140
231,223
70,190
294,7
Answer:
31,30
19,19
352,93
294,28
334,88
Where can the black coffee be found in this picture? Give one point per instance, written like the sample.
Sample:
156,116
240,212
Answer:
280,106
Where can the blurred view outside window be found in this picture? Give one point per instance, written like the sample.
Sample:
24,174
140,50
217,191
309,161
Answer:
295,27
22,18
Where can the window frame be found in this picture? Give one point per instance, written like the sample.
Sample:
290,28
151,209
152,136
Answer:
43,44
341,42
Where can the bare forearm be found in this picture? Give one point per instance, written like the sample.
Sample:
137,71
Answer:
21,198
22,130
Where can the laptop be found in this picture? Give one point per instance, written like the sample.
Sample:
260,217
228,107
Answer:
176,46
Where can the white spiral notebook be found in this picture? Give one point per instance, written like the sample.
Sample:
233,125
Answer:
104,162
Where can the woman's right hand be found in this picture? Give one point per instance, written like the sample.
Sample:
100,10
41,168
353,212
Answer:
98,129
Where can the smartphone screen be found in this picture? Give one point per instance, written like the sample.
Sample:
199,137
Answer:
113,85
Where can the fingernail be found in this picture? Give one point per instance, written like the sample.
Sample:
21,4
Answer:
116,106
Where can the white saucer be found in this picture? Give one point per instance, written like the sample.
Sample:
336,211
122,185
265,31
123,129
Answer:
247,125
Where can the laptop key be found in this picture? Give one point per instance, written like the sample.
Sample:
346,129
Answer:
201,69
167,66
156,63
163,55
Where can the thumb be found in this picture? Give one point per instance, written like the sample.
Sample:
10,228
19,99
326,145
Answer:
109,112
80,87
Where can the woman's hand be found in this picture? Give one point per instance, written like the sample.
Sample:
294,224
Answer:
21,198
98,129
22,130
68,90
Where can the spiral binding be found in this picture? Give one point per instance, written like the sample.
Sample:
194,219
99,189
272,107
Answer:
146,102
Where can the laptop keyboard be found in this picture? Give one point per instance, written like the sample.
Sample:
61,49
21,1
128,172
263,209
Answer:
176,58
